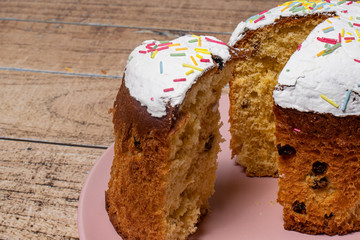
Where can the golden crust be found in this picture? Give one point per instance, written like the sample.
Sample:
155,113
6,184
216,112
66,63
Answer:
136,193
319,185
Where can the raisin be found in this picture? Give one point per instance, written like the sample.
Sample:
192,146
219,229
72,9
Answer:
137,144
319,167
208,144
329,216
299,207
286,150
319,183
219,61
245,104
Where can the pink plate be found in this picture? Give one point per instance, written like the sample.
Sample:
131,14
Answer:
242,207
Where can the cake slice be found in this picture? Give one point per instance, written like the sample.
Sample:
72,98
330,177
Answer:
317,113
166,128
269,39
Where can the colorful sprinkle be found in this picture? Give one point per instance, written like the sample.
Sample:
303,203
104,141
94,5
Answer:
193,67
329,101
202,50
157,49
164,43
181,49
168,89
161,67
341,2
174,45
327,40
350,24
154,54
177,54
162,48
204,60
357,60
356,24
263,12
193,40
180,80
189,72
152,99
282,10
193,60
259,19
299,47
214,41
199,42
298,9
347,97
328,29
297,130
143,52
199,56
357,33
149,46
331,49
320,53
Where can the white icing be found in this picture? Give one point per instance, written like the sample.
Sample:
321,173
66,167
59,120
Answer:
283,11
306,76
146,83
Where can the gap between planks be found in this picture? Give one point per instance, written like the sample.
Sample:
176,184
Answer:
115,26
29,140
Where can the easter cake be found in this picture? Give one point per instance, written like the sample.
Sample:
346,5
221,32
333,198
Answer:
269,39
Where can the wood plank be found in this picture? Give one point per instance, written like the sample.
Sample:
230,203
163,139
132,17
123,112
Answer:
60,108
57,108
201,15
39,188
82,49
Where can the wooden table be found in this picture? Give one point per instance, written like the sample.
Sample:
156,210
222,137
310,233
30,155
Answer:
61,64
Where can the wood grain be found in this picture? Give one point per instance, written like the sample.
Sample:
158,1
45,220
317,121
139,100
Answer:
186,15
79,49
57,108
39,189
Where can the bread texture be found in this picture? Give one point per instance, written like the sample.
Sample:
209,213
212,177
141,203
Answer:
252,123
319,185
163,171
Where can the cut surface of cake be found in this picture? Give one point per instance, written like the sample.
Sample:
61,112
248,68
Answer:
166,128
269,39
317,112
